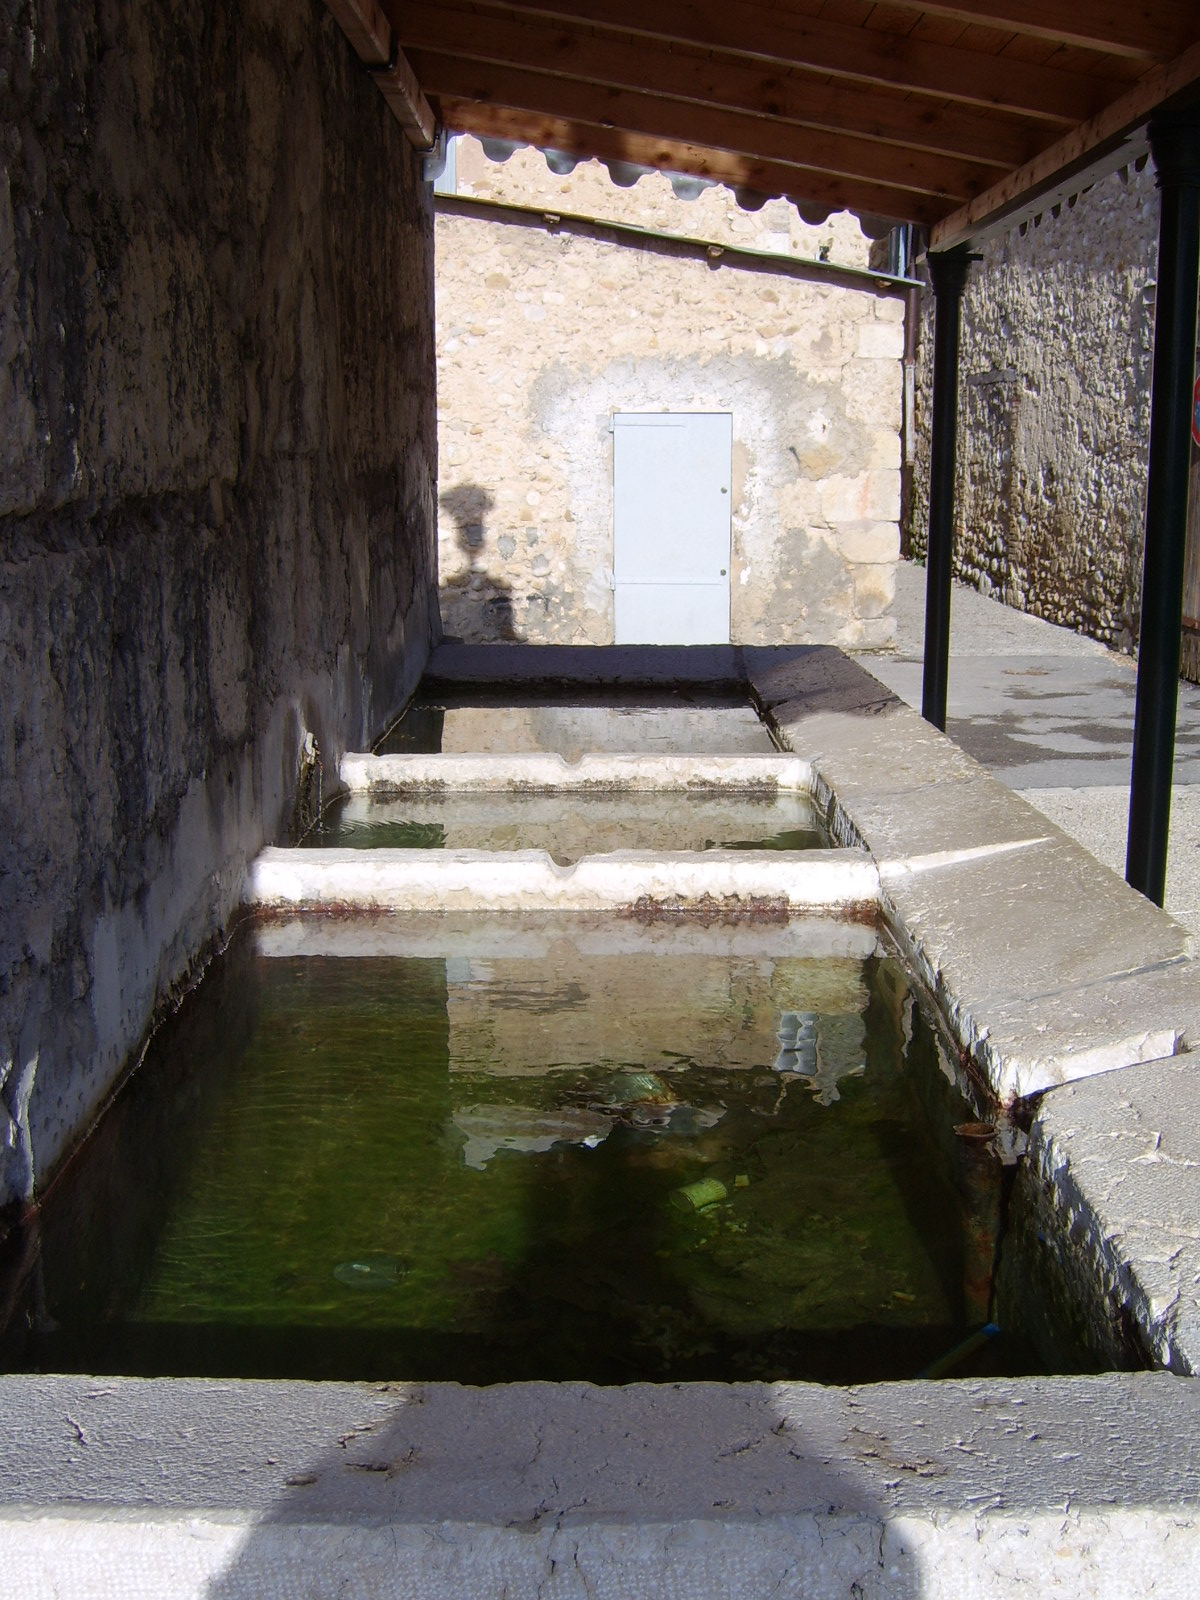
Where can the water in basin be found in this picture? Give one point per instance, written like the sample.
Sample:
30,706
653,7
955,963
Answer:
499,1148
573,825
576,721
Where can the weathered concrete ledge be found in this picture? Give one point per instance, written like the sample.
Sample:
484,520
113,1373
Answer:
232,1490
1118,1161
1048,967
521,880
406,774
482,935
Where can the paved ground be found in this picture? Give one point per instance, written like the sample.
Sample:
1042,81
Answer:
1051,713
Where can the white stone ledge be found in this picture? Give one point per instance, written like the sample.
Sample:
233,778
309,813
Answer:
572,1492
402,774
529,880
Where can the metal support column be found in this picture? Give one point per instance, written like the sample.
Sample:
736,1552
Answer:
1175,146
948,270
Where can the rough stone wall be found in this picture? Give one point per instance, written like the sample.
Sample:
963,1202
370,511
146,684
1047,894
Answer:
543,334
217,485
1054,419
714,215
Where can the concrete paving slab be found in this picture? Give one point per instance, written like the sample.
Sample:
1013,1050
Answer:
1099,819
567,1491
1121,1157
1040,705
1039,720
981,625
773,882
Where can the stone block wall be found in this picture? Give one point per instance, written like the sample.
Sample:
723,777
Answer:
217,490
544,332
1054,420
713,214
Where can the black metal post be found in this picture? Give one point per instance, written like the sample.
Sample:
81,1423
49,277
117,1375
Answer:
948,270
1175,146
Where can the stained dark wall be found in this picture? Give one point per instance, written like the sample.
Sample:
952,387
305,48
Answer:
217,492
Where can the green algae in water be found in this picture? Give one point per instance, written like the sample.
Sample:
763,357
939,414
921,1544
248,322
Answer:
466,1166
370,1272
573,825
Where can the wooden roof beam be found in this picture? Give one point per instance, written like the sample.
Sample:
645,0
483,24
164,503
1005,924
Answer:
812,191
366,25
600,59
1089,152
839,155
1143,30
367,28
788,39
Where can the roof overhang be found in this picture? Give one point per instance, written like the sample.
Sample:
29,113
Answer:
965,116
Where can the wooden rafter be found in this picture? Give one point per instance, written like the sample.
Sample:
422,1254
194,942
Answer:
447,78
1081,157
366,25
732,85
1143,30
787,39
817,193
960,114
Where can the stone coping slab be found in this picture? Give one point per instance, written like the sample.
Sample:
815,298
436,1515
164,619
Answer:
552,773
1026,949
485,936
518,880
1048,967
713,666
1120,1155
571,1492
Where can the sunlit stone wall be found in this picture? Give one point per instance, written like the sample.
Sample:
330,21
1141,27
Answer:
544,333
1054,420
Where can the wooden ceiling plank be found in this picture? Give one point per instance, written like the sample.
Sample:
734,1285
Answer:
401,89
1145,30
787,144
608,144
370,32
999,141
367,28
938,30
741,27
1096,147
887,19
1120,70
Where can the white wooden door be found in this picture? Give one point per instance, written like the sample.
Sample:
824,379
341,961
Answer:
671,495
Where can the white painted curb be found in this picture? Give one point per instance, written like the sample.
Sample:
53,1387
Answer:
482,880
399,774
